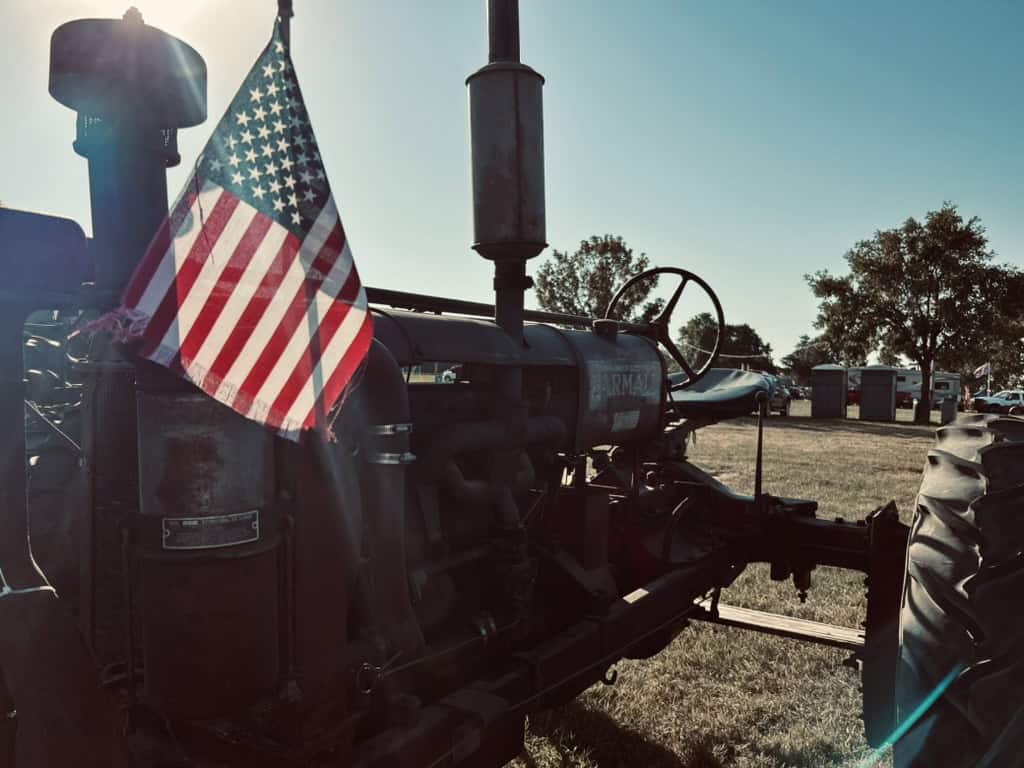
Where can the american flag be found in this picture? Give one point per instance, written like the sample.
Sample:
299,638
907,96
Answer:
249,289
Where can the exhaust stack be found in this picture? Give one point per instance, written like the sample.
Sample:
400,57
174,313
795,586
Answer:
506,125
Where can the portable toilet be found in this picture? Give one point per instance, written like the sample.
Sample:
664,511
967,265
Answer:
878,393
947,409
828,392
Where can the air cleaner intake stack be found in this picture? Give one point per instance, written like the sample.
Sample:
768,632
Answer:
133,86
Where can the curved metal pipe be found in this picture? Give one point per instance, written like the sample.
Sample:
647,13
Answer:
384,401
481,435
482,491
341,497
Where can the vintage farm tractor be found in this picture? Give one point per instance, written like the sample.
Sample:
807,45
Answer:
461,554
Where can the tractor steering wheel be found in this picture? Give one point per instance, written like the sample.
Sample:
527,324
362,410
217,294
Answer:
660,327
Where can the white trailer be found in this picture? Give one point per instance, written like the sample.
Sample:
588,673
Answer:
945,384
909,380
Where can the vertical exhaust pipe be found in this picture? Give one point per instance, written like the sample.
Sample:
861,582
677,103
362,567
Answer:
503,30
506,124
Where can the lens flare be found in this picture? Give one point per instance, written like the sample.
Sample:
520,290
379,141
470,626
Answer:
920,711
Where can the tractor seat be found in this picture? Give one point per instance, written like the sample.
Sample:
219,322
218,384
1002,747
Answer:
724,393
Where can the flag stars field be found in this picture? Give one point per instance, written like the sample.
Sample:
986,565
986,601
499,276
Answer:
270,94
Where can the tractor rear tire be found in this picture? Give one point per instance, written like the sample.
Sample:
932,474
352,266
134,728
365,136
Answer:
961,659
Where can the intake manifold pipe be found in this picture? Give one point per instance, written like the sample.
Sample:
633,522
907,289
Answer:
470,436
481,491
383,399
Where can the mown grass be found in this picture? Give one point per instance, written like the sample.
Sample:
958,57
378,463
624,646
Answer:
721,697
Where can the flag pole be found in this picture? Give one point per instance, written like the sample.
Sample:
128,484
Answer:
285,13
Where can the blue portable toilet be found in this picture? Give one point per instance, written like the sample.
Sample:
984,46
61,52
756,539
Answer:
878,393
828,392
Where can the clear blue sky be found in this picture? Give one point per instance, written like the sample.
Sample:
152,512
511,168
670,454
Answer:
750,142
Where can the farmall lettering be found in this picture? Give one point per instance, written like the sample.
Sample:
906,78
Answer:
620,389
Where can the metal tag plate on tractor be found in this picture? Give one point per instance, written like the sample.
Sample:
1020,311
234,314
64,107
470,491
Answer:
209,532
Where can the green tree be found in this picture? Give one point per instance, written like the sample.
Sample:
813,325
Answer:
741,345
889,357
583,282
845,329
809,352
927,290
1005,351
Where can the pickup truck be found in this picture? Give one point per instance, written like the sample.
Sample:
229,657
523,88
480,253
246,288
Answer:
1006,401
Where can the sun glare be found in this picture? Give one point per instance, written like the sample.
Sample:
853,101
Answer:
159,13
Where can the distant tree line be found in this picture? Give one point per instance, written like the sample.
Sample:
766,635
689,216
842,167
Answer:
928,291
583,282
742,346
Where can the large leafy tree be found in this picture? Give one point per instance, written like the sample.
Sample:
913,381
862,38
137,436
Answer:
927,290
741,345
584,281
846,332
801,361
1005,352
890,358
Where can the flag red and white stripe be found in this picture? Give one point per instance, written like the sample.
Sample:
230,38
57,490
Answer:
249,288
264,322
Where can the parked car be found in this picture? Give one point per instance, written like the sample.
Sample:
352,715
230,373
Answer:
972,397
1006,401
779,398
904,399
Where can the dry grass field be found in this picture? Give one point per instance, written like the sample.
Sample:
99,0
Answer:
720,696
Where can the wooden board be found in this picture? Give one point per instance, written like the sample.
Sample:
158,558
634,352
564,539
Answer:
785,626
